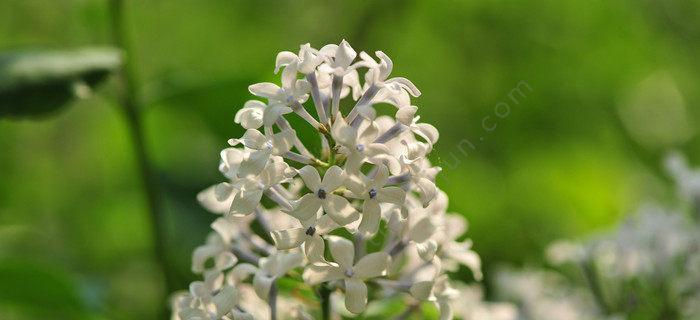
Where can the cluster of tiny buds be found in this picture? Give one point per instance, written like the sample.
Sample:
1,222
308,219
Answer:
311,218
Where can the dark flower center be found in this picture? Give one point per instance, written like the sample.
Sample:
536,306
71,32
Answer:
372,193
310,231
321,194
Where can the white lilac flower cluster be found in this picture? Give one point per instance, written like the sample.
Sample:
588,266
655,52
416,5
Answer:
362,218
647,267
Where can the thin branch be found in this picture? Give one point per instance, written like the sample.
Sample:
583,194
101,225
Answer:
397,248
245,255
131,106
325,295
316,96
272,300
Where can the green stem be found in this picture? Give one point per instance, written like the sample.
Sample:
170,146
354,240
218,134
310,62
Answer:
127,95
325,295
331,145
591,274
272,299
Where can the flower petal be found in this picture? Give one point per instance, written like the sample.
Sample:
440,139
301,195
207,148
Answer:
200,257
325,224
405,115
427,250
289,76
342,250
463,254
265,89
381,176
225,260
241,272
334,178
282,141
343,133
318,273
372,265
421,290
355,295
245,202
340,210
344,54
262,285
445,308
371,216
357,184
428,191
225,300
370,132
306,207
427,132
284,58
393,195
254,163
314,248
223,191
251,115
240,315
406,84
311,178
285,261
254,139
273,112
422,230
289,238
207,199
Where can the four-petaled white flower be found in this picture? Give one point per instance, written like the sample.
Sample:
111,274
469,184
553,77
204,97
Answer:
273,267
374,191
322,196
359,147
252,188
309,234
345,268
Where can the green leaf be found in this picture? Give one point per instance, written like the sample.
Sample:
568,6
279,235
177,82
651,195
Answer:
37,83
31,288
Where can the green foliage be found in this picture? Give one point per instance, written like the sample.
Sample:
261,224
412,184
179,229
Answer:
25,285
561,164
37,83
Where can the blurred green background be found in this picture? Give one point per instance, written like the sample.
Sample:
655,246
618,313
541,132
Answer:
607,88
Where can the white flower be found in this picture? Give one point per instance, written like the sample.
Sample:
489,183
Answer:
428,132
393,90
251,115
305,62
420,173
281,202
374,191
341,58
265,146
354,274
457,253
252,189
215,248
273,267
309,234
359,147
414,230
336,206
